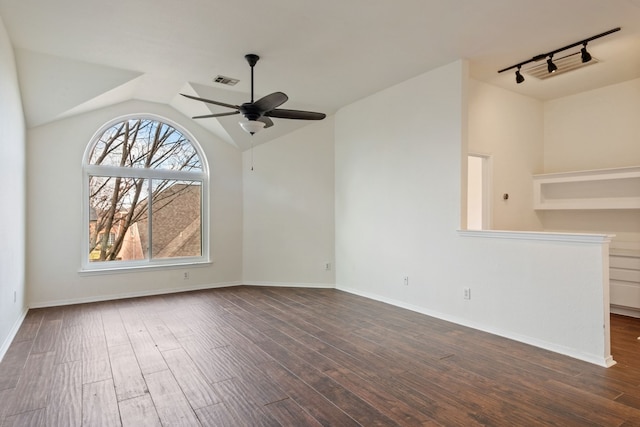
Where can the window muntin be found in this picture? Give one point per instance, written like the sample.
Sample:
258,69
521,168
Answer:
146,196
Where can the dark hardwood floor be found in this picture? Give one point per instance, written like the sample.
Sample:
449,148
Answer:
249,356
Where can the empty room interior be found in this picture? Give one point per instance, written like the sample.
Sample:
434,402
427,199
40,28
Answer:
419,212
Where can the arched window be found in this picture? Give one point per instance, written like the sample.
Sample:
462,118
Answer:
145,196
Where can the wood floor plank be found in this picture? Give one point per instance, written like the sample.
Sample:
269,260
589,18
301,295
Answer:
96,370
30,326
72,315
219,415
35,418
64,406
600,410
114,330
68,348
630,400
214,367
378,397
6,396
92,321
179,321
95,357
306,396
171,404
241,362
523,391
47,336
149,357
99,405
259,387
132,318
243,410
195,387
139,412
289,414
32,390
160,333
13,363
127,376
486,407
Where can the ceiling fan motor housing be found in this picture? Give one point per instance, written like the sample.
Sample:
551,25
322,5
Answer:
250,111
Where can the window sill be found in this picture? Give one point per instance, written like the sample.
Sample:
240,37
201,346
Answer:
103,270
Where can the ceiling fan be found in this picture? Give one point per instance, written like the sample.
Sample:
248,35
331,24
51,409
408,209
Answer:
257,114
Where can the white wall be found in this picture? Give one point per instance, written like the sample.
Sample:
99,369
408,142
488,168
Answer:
398,205
12,189
54,222
598,129
509,128
288,209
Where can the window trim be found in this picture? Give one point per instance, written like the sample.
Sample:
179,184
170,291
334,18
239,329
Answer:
201,176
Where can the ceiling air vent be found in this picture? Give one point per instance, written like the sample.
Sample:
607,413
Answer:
229,81
564,64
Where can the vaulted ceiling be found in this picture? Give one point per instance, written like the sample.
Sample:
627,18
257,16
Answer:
74,56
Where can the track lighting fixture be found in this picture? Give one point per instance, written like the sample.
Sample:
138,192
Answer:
586,56
519,77
551,67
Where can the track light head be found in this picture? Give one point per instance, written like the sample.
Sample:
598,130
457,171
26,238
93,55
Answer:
519,77
586,56
551,67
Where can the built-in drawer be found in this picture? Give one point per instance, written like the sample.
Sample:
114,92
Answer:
624,274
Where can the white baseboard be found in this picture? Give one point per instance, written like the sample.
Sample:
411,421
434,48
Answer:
624,311
12,334
595,359
290,284
56,303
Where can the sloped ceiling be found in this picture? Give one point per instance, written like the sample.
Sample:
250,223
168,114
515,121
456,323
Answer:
74,56
74,85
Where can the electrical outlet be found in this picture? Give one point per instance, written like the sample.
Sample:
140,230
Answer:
185,275
467,293
327,266
406,280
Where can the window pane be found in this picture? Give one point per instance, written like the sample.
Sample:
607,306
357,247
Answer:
116,205
145,143
176,219
153,214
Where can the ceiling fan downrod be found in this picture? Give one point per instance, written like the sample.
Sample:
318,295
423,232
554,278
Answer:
252,59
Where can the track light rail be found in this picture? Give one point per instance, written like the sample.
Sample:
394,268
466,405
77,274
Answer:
553,52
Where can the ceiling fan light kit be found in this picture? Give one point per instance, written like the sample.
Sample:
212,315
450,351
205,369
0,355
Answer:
257,114
551,66
251,126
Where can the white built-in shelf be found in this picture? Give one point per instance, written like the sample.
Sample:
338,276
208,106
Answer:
595,189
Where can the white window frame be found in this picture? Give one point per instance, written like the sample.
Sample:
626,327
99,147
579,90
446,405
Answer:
130,172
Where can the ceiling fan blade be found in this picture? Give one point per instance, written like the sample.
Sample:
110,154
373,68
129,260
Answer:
208,116
295,114
270,102
267,121
222,104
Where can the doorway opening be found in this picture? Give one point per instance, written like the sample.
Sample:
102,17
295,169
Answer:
478,192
